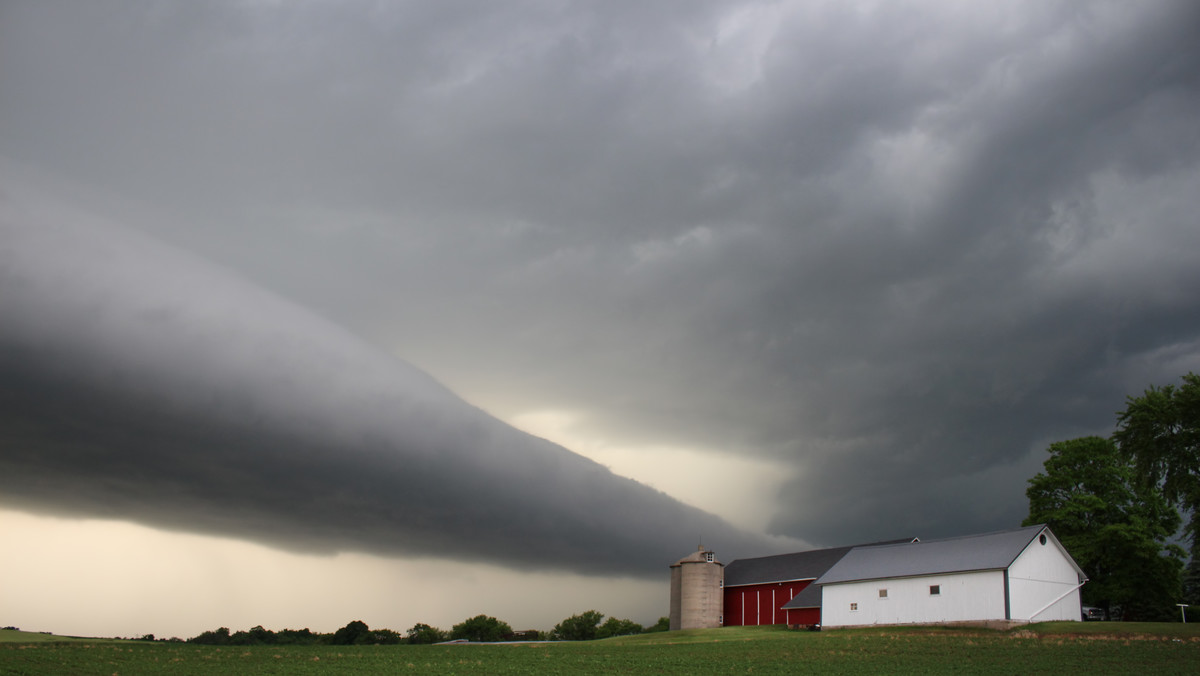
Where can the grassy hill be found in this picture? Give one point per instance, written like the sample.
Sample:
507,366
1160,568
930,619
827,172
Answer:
30,637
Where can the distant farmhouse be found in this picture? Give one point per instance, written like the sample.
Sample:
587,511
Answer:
1017,575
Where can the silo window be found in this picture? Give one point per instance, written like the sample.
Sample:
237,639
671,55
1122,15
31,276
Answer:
709,556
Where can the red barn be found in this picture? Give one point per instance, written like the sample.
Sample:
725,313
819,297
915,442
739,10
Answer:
756,590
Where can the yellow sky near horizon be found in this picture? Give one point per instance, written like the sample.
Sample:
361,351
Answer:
92,577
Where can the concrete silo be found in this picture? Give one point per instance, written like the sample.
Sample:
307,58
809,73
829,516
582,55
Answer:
696,591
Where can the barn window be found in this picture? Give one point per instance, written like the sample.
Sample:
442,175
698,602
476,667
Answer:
883,593
1042,538
853,607
935,590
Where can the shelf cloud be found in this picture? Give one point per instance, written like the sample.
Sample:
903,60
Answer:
888,251
139,382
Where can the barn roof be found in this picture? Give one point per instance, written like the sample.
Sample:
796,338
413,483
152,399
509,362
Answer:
785,567
988,551
809,597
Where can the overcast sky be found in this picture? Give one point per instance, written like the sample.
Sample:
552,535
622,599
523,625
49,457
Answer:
456,300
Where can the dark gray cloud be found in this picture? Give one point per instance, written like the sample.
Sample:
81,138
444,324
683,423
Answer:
138,382
898,247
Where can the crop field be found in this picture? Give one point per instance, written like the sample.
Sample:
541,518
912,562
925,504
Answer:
1058,648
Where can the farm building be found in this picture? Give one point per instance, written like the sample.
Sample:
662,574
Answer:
1022,574
756,590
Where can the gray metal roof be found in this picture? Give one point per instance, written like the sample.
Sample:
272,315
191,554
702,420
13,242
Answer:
809,597
785,567
988,551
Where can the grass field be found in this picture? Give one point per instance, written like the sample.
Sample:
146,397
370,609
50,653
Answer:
1058,648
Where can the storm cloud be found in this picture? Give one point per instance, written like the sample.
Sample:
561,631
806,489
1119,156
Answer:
895,248
140,383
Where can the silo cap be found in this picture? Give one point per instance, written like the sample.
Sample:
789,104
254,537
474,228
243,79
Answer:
701,555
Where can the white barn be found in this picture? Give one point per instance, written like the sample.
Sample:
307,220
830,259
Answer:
1022,575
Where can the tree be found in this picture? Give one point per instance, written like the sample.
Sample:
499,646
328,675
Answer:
581,627
217,637
423,634
615,627
663,624
386,637
296,637
1191,579
1116,528
481,628
1160,431
355,633
255,636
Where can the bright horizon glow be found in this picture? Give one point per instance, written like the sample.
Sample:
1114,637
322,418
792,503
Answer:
127,580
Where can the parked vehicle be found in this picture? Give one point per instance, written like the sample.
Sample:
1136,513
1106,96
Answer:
1092,614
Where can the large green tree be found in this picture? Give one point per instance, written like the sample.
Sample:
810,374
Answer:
1160,431
1115,527
481,628
581,627
614,626
422,633
586,626
355,633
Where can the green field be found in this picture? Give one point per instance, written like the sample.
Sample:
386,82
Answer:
1072,648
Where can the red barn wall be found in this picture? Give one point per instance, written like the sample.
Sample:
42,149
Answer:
754,604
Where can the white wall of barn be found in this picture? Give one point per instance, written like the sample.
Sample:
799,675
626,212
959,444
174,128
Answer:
1040,574
960,597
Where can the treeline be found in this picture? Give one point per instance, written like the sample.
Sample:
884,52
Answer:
588,626
585,626
1118,503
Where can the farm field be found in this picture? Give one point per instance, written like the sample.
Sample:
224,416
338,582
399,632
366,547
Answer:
1059,648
